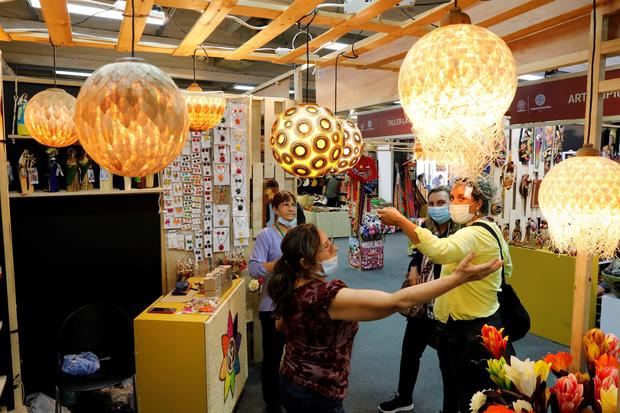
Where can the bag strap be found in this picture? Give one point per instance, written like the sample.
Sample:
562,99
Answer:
501,251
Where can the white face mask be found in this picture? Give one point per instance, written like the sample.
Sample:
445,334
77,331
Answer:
329,265
460,213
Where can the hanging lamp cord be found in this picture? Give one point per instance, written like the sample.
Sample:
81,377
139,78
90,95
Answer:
133,28
194,65
306,29
343,54
591,73
54,57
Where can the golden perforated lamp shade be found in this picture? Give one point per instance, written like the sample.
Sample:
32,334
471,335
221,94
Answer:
49,118
353,146
580,198
131,118
205,109
455,85
307,140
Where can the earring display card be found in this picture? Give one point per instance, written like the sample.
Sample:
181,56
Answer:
221,217
187,148
241,242
222,239
221,135
222,153
241,226
206,141
238,140
238,185
237,164
237,111
196,142
239,206
208,209
206,161
221,174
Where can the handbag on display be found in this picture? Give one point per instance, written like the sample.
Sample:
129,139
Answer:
515,318
425,274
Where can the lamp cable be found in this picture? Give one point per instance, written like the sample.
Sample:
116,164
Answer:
591,73
343,54
133,28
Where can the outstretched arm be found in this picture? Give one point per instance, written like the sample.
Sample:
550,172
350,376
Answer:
366,305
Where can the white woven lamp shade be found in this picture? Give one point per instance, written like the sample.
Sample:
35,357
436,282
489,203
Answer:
455,85
580,198
49,118
205,109
131,118
353,146
307,140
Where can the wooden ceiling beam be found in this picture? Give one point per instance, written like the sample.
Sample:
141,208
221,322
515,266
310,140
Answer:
204,26
4,36
141,13
433,15
297,10
514,12
371,11
547,24
196,5
56,16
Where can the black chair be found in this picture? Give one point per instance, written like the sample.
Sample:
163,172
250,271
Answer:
105,330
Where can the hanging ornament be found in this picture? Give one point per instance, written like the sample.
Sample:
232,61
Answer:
205,109
49,116
580,198
455,85
353,146
307,140
131,118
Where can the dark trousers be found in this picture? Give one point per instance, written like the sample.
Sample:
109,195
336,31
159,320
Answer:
418,335
462,359
332,202
298,399
273,345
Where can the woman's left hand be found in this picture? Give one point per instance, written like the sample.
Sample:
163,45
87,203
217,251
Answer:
390,216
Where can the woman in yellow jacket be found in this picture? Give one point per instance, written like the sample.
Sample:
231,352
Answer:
463,311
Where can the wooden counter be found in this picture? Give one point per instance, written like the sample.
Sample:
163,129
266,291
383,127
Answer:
192,362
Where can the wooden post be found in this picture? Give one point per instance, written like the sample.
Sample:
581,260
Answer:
581,307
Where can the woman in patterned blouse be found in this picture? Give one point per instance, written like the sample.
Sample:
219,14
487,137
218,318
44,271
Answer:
319,317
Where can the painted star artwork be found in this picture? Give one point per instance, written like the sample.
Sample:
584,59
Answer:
230,356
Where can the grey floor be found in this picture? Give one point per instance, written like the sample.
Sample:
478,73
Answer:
376,352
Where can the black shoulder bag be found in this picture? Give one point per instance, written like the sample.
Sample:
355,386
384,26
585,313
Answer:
514,316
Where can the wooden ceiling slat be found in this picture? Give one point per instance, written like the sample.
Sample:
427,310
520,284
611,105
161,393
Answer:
197,5
514,12
547,24
58,22
297,10
433,15
386,60
372,10
141,13
204,26
4,36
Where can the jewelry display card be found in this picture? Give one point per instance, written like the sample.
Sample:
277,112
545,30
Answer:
241,242
222,153
196,143
238,185
221,174
206,161
187,148
206,140
241,226
239,206
238,140
221,217
237,111
207,184
221,135
221,239
237,164
189,242
208,209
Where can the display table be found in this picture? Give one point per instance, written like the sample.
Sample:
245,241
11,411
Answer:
610,308
335,224
192,362
544,282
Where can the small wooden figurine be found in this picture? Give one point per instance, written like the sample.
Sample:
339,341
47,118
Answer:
27,172
87,175
72,174
517,235
54,170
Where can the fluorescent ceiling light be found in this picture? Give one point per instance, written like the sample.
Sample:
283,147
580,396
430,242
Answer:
73,73
105,10
243,87
397,102
291,92
305,66
336,46
531,77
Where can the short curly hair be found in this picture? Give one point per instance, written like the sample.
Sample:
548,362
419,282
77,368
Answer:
482,189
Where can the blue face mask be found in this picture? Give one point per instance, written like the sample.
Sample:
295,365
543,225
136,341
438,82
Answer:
439,214
292,223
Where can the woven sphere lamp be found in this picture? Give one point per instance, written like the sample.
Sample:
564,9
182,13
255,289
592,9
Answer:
49,118
580,198
205,109
353,146
455,85
307,140
131,118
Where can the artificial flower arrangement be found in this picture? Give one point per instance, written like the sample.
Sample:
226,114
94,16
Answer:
256,285
522,385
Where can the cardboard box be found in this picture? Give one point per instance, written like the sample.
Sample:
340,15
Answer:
212,282
226,274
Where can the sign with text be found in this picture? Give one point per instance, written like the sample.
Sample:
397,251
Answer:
562,99
386,123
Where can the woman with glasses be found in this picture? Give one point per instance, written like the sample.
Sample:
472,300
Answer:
264,256
319,318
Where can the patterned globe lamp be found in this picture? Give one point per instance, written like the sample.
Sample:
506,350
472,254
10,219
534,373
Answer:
131,118
307,140
580,198
353,146
49,118
205,109
455,85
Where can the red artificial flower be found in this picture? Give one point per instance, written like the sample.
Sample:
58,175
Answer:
261,280
560,362
493,341
498,409
569,393
605,378
606,361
